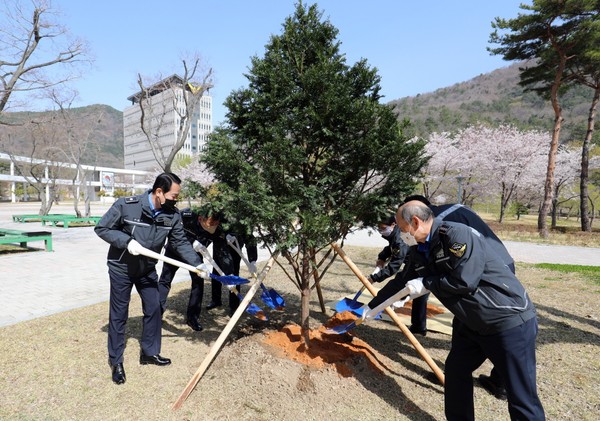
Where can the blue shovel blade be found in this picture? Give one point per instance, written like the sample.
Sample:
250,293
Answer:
256,311
271,298
229,279
347,304
338,330
252,308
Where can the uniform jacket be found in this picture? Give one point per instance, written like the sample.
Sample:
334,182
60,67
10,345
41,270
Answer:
469,278
193,232
229,259
464,215
132,217
395,251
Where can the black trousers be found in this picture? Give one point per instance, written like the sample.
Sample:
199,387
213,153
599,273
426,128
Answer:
513,354
196,292
120,296
418,314
229,262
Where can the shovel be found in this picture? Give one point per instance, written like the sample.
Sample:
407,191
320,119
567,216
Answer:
229,280
404,293
252,308
269,296
352,305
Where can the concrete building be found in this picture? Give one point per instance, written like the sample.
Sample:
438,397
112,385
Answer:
163,108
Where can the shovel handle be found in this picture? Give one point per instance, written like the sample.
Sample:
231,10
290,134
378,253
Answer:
234,245
415,343
149,253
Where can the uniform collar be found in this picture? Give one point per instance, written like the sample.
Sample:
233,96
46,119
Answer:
153,210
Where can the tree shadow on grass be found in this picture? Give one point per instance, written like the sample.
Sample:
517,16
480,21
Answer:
559,331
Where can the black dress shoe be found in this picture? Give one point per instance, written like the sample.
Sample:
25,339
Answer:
154,359
414,331
212,305
194,324
118,373
492,387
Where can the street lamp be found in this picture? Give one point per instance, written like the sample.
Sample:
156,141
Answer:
459,179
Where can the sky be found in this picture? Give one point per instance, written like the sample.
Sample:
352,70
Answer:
417,46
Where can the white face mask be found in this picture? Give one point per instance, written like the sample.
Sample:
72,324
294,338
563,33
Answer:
408,239
387,231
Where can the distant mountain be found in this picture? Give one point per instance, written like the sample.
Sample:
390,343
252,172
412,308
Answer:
102,123
493,98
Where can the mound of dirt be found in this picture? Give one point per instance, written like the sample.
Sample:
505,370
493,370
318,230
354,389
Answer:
340,351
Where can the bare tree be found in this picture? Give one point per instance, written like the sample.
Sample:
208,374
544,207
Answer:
36,53
41,174
173,98
75,142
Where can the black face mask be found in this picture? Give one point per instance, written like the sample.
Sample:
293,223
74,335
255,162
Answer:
169,204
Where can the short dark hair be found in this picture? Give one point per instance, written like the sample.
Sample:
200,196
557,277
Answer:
418,197
164,181
207,210
388,220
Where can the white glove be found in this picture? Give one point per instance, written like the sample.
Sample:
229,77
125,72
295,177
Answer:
367,313
400,303
375,272
134,248
416,288
230,238
203,270
252,267
197,246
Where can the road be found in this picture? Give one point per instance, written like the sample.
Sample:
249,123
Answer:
37,284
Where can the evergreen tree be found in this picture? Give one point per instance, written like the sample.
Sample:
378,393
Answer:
309,152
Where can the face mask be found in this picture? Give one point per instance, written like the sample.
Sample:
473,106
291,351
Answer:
408,239
169,204
387,231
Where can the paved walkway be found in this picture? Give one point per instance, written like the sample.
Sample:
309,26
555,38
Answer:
38,284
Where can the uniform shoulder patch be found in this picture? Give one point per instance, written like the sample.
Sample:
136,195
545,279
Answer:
132,199
186,213
443,229
458,249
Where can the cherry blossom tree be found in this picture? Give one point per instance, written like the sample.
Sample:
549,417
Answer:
499,161
566,173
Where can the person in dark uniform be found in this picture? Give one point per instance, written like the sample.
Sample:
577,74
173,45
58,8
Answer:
389,260
229,261
493,315
460,213
130,225
199,227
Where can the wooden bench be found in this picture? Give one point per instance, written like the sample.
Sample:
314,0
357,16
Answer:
69,219
8,236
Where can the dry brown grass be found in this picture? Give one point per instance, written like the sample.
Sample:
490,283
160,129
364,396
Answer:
567,231
55,368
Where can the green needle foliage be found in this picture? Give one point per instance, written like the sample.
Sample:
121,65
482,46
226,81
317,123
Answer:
309,152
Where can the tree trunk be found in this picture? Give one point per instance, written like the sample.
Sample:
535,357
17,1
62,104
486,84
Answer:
502,205
586,224
549,184
554,208
305,296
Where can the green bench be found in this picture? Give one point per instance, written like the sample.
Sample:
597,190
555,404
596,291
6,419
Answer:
8,236
69,219
33,217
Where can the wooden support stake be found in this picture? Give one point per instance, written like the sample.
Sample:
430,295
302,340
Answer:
415,343
221,339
